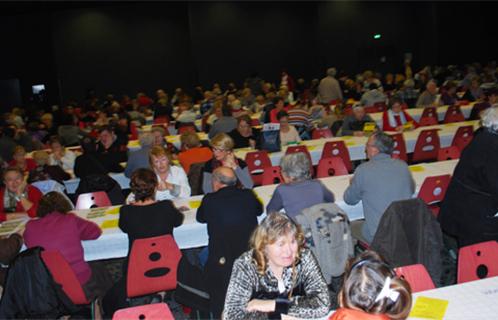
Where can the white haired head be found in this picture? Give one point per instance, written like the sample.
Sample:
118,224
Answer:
489,118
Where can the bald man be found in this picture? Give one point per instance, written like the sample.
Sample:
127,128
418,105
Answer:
231,216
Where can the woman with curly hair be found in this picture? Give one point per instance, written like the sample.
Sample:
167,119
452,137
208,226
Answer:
144,218
278,276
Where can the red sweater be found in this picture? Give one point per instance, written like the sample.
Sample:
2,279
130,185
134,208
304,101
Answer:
350,314
387,127
34,195
30,164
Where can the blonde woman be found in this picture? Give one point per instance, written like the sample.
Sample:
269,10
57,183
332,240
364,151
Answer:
223,156
277,277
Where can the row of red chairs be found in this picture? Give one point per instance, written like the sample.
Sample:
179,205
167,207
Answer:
477,261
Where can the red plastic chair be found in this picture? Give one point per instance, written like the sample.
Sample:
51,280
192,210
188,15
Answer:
257,161
337,149
161,120
477,261
433,190
429,117
255,122
463,137
93,199
448,153
427,146
303,149
152,266
321,133
333,166
399,151
63,274
156,311
417,276
272,175
133,131
187,128
453,114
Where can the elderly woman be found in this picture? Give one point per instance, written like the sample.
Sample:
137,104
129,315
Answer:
395,118
470,205
19,160
144,218
172,180
60,156
244,135
44,171
278,276
17,198
223,155
288,133
58,229
298,191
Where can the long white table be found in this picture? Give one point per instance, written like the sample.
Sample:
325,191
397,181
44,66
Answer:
114,244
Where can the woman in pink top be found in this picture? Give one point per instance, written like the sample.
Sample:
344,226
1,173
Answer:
58,229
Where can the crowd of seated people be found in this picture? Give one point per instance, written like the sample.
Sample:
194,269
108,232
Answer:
34,148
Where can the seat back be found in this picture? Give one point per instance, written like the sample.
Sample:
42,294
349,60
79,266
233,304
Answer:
427,121
448,153
427,146
463,137
477,261
453,114
257,161
63,274
417,276
133,131
321,133
152,265
255,122
146,312
399,151
434,188
161,120
337,149
93,199
187,128
272,175
430,112
333,166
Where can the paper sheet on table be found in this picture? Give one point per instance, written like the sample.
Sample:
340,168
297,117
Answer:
109,224
311,148
429,308
134,143
12,226
416,168
350,143
114,210
194,204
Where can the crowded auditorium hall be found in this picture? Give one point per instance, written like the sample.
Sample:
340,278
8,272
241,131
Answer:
332,160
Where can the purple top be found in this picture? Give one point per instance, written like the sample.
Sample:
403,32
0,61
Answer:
63,232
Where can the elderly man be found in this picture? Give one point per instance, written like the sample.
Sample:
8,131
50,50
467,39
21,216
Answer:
377,183
329,88
373,96
428,98
231,216
139,158
353,124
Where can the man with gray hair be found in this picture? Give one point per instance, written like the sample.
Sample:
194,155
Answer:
329,88
377,183
428,98
139,158
231,216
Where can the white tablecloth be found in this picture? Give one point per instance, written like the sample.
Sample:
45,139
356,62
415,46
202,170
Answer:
114,244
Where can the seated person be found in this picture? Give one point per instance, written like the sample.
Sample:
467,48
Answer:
158,135
172,180
288,133
372,291
279,104
298,191
224,124
88,162
139,158
17,199
43,171
186,114
353,124
60,156
373,95
223,156
193,152
144,218
395,117
449,96
110,151
19,160
60,230
277,276
245,136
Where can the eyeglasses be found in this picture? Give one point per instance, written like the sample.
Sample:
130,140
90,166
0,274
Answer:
215,149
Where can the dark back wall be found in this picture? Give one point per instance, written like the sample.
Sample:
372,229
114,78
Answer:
130,47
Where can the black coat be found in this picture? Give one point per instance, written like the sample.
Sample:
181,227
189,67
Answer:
231,216
471,202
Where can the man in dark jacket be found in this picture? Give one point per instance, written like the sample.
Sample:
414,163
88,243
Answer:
231,216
